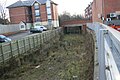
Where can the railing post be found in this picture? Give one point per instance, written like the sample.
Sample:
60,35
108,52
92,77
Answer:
29,43
11,50
101,55
24,45
2,54
18,47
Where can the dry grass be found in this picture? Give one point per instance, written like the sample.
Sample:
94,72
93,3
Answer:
68,59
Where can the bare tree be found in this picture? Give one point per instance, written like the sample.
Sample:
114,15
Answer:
66,17
3,12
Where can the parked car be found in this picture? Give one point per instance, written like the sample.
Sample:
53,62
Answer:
4,39
36,29
44,28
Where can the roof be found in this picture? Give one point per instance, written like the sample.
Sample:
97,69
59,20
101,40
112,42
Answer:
21,3
42,1
27,3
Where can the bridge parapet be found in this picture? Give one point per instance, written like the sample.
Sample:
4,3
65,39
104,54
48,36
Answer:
108,45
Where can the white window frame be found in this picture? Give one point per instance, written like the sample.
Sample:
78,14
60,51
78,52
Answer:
49,17
37,19
36,5
48,10
37,12
48,4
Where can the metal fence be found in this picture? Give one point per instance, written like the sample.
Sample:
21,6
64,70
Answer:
32,42
108,44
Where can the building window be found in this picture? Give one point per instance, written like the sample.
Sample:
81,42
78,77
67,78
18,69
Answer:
37,13
37,19
49,17
48,3
49,10
28,20
22,26
36,6
29,11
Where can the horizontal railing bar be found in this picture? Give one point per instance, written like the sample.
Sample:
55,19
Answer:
113,67
112,49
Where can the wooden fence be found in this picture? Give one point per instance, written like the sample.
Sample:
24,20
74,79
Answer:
32,42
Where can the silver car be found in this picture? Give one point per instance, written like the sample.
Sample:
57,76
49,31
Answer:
36,29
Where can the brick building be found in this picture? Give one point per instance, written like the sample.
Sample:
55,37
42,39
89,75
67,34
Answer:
88,11
102,8
34,12
75,26
72,22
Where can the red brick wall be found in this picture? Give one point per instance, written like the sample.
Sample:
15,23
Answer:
104,7
17,15
70,22
43,12
54,11
33,13
20,14
97,10
111,6
94,14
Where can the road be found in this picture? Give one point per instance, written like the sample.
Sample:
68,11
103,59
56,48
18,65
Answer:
19,35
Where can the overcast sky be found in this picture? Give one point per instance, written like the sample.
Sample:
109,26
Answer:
71,6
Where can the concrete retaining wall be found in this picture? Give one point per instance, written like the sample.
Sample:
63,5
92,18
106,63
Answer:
9,28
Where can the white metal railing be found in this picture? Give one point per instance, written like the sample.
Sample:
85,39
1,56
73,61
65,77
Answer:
108,43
